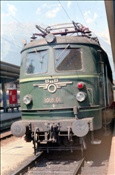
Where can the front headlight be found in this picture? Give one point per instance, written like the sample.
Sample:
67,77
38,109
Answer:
27,99
80,96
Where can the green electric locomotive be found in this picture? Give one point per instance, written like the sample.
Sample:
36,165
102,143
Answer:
65,86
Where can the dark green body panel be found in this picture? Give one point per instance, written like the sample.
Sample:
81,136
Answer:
39,110
67,94
53,110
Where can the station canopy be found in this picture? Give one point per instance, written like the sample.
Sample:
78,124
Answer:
9,72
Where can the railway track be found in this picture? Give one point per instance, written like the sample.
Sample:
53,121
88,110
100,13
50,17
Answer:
54,163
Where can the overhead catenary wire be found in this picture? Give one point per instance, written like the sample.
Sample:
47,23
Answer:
3,53
110,56
65,11
10,42
84,17
21,26
17,21
81,12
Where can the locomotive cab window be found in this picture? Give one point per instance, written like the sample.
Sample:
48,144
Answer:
36,62
68,59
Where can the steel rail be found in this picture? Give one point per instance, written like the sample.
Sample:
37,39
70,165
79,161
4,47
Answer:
78,167
29,165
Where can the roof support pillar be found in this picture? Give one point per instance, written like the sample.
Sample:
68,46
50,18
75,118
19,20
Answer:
4,97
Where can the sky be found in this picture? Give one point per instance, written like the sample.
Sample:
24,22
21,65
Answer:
18,20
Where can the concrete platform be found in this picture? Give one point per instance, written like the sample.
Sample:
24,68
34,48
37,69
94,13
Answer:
6,119
14,155
9,115
111,167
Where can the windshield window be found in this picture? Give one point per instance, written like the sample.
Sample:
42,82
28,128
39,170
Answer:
36,62
68,59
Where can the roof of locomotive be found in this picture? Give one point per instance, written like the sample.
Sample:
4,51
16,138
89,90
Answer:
83,37
62,40
66,33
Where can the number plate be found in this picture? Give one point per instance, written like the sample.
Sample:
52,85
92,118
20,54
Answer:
53,100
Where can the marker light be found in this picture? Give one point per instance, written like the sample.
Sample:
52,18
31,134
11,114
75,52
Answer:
80,96
27,99
80,85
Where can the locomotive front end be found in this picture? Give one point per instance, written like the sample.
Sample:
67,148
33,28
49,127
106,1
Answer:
61,95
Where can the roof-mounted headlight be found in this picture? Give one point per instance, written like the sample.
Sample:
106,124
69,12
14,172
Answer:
50,38
80,96
27,99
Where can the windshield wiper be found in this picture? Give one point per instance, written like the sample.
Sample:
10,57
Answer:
41,57
63,51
